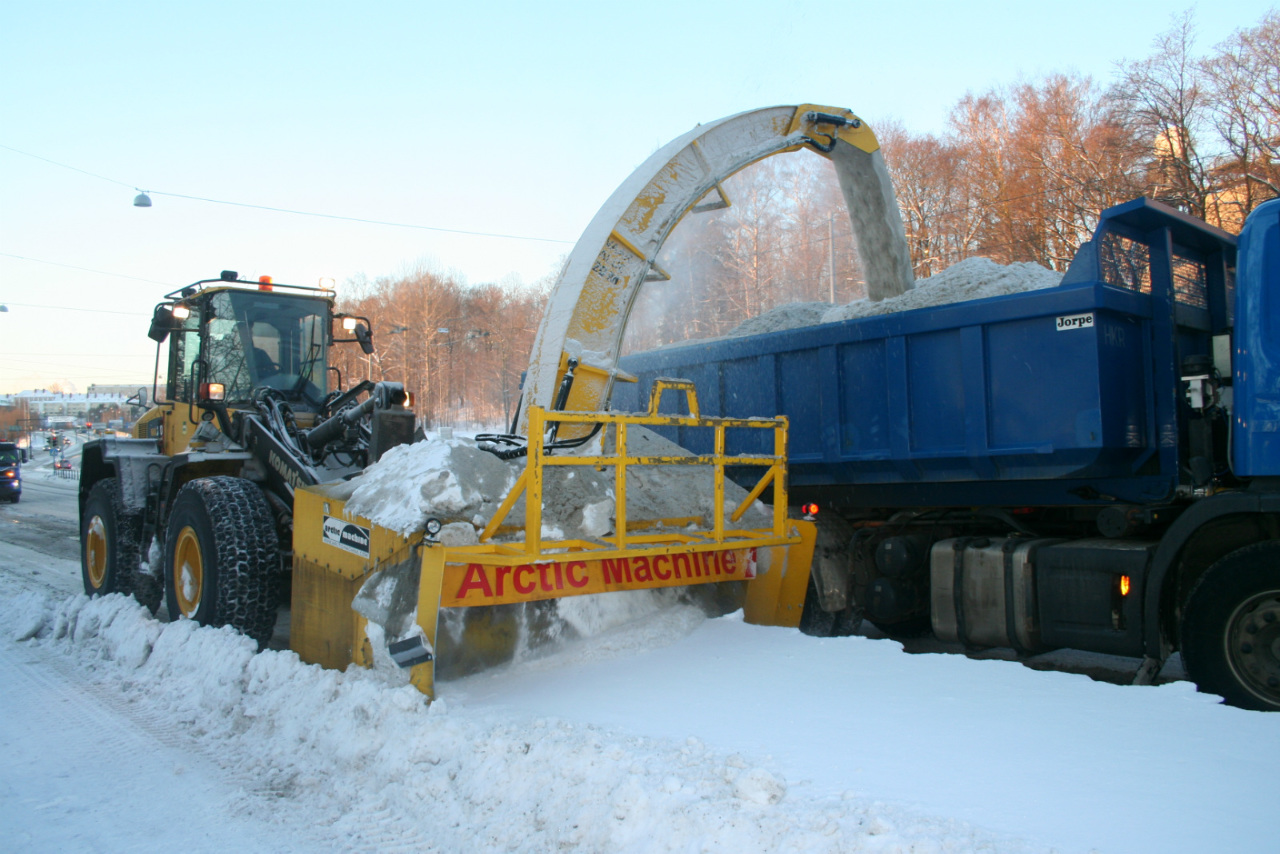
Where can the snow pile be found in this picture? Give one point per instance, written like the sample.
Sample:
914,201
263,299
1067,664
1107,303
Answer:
970,279
456,482
790,316
342,761
973,278
450,479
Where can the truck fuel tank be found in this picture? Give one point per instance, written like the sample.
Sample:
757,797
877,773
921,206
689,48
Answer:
984,591
1039,594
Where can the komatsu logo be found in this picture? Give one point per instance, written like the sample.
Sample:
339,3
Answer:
346,536
285,470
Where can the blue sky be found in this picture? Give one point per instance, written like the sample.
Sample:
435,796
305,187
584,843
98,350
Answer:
505,118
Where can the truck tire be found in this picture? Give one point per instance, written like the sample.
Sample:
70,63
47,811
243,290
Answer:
108,542
818,623
1231,628
222,557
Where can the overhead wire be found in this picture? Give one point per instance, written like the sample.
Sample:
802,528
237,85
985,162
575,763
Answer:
365,220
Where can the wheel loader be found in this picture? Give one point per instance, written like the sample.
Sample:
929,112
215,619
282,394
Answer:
197,507
244,474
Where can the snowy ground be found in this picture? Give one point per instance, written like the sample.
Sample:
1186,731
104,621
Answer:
677,733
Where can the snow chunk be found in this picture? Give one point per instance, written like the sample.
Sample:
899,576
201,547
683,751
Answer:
450,479
759,787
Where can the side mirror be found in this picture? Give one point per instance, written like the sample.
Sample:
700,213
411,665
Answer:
162,322
365,337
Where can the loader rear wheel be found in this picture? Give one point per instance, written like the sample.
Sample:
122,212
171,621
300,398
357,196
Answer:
222,557
1231,629
108,542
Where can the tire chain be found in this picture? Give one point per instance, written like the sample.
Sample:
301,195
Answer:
248,555
126,529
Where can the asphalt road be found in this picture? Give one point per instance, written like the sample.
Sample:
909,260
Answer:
47,518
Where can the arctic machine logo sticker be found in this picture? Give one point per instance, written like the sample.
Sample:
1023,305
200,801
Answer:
346,536
1075,321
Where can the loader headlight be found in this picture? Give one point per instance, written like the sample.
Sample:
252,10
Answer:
213,391
180,312
433,526
348,324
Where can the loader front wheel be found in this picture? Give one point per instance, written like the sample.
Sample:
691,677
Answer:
108,542
222,557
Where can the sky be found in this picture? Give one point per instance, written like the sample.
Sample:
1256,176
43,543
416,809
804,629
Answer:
496,130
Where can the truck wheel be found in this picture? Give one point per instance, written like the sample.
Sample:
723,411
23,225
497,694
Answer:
108,542
1231,629
222,557
818,623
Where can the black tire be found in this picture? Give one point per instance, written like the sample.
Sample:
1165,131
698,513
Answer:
1231,629
908,629
108,541
16,497
222,557
818,623
148,587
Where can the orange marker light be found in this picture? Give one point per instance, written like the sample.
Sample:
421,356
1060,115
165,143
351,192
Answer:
810,509
1125,584
264,283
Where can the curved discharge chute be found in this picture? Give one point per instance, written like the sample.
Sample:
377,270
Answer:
587,312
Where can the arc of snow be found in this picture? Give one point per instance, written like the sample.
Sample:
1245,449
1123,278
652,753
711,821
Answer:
587,311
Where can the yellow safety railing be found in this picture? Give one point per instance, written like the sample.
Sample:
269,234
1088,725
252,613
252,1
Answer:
530,484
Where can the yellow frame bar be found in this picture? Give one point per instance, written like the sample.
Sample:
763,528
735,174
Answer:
531,481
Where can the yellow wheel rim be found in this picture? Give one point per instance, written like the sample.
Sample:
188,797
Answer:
95,552
188,572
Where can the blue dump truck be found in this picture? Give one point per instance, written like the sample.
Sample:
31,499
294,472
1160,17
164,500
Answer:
1092,466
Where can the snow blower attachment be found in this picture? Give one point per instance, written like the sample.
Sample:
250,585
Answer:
399,584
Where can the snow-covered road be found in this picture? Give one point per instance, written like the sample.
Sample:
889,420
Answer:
675,733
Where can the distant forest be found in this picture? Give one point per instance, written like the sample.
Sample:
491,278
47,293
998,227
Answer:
1020,174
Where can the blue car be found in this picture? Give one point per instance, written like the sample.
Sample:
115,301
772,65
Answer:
10,472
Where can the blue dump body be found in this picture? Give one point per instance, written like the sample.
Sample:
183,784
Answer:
1065,395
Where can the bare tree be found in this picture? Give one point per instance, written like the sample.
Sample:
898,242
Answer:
1244,87
1166,97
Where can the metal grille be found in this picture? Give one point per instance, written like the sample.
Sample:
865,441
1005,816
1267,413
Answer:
1189,287
1125,263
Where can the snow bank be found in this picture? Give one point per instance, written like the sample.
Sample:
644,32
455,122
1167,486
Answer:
376,767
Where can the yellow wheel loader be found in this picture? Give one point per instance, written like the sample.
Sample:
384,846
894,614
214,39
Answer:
197,507
247,470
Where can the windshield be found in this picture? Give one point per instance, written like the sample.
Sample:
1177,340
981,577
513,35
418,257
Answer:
254,339
8,458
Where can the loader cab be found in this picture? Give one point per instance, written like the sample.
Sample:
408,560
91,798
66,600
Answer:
233,341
